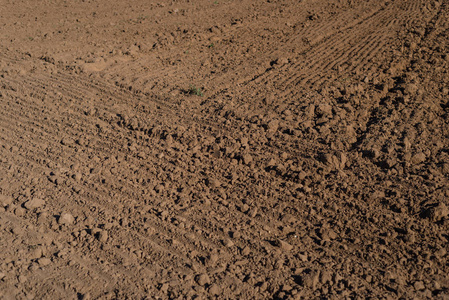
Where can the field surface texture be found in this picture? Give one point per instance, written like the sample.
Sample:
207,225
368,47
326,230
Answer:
276,149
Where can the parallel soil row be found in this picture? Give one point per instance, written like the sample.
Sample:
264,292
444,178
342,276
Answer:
269,150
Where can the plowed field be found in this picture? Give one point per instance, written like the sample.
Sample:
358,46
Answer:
224,149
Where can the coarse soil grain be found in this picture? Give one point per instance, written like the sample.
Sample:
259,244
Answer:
224,149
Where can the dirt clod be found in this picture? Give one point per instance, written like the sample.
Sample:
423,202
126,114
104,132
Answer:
66,219
34,203
418,158
311,279
419,285
5,200
102,236
44,261
202,279
439,212
214,289
283,245
247,159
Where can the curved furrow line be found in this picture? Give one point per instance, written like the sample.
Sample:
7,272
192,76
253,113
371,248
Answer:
354,53
375,25
68,88
413,5
114,92
81,82
10,121
339,58
373,22
336,57
31,155
364,54
136,237
106,188
300,67
368,56
124,97
362,62
334,39
317,62
45,132
341,19
35,84
44,137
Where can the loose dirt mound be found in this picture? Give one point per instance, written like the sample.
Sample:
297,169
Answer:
224,149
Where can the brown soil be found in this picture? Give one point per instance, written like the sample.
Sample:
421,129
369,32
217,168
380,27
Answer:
224,149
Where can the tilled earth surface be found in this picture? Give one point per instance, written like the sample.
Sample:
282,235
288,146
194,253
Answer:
224,149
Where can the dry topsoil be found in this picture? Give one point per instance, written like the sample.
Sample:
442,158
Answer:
224,149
